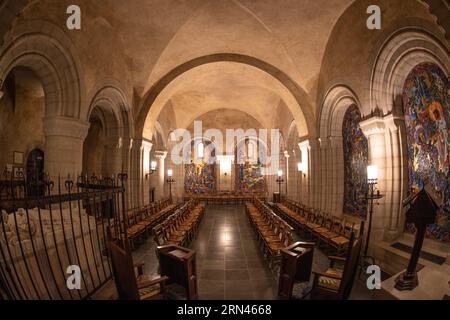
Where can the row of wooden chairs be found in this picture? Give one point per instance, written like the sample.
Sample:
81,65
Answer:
273,232
140,221
223,197
327,230
181,227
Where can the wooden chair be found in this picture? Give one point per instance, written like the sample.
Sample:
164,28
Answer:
295,270
129,286
340,242
336,283
179,265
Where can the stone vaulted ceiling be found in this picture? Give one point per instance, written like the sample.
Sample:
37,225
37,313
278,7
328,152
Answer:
139,41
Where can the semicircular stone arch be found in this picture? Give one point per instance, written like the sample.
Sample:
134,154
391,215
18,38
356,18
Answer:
45,49
305,116
398,55
110,106
331,176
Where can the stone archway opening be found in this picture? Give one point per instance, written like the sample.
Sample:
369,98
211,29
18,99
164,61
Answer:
22,112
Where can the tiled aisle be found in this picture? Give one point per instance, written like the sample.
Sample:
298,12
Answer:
230,264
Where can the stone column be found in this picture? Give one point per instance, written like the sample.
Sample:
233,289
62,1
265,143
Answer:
385,152
287,175
314,173
324,169
336,174
145,177
113,159
160,174
136,174
293,176
64,140
397,182
306,183
126,167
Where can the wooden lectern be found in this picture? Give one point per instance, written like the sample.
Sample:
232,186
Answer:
296,267
178,264
422,212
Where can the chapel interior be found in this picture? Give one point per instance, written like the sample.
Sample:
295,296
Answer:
225,150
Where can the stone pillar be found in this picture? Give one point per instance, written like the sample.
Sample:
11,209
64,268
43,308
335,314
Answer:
287,175
399,177
306,185
314,173
145,176
374,129
136,174
64,140
126,167
336,174
324,169
385,151
113,157
160,174
293,179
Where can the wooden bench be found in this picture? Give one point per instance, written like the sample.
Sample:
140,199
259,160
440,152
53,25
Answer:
273,233
327,230
182,226
224,198
140,221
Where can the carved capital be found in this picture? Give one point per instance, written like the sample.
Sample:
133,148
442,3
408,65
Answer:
161,155
373,126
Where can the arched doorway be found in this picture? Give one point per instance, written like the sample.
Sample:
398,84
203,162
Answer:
35,173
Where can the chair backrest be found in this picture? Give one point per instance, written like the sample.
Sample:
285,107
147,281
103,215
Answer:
351,264
337,225
347,230
123,271
159,234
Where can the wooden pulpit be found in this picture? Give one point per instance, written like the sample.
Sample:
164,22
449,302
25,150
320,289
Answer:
422,212
296,267
179,265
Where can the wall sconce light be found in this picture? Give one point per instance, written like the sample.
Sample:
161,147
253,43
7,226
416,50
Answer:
200,150
280,180
153,165
225,166
372,174
301,168
170,180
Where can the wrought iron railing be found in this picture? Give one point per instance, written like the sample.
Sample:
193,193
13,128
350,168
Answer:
41,237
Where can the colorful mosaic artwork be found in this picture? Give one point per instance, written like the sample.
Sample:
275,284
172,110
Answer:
356,154
249,178
426,102
199,178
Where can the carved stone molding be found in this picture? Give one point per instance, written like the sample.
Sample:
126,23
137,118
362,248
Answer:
66,127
